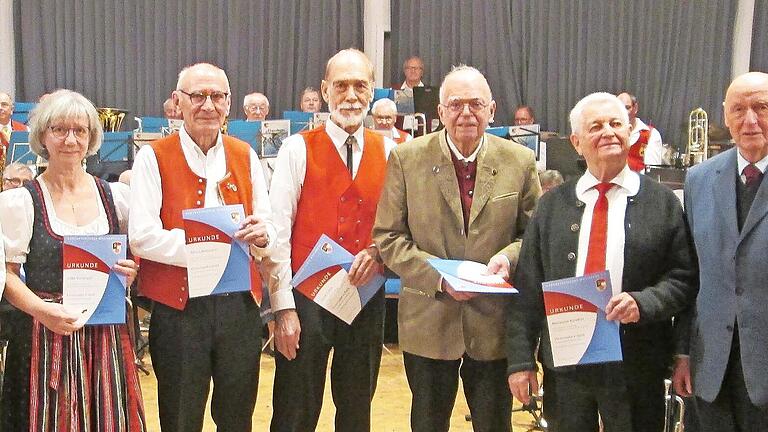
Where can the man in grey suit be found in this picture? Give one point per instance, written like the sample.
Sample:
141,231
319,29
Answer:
726,334
459,194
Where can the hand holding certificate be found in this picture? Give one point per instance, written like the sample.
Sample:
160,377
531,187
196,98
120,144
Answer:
91,285
470,276
578,329
217,263
324,279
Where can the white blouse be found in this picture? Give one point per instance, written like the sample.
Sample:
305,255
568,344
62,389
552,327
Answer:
17,218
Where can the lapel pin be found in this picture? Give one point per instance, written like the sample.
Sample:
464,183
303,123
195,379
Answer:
493,171
435,169
232,187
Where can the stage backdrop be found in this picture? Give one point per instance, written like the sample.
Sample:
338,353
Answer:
759,58
675,56
127,53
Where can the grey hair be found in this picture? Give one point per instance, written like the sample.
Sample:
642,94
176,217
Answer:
23,169
188,69
463,68
578,110
384,103
551,177
62,105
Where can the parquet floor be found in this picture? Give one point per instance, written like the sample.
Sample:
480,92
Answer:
391,405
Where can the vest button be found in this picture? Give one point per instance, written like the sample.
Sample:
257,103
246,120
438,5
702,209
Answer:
343,199
360,201
359,221
199,180
199,192
575,227
470,192
341,239
342,219
571,256
357,242
198,202
183,289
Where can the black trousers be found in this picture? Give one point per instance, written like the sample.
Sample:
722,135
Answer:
628,399
732,410
434,384
299,383
217,338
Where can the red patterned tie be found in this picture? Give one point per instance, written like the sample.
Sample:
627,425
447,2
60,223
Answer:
752,174
599,231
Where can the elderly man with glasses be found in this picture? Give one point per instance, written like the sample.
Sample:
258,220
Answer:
194,340
16,174
465,195
256,107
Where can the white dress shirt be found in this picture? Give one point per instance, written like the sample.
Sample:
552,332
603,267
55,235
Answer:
742,163
285,192
627,185
654,150
147,236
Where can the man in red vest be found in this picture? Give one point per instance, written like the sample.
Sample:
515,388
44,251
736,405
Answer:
328,181
7,125
213,337
645,145
384,113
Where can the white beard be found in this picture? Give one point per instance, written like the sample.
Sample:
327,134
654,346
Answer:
347,121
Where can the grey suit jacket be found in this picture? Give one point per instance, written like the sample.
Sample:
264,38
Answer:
419,217
733,287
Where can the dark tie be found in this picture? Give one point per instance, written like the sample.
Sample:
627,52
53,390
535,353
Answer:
349,143
753,175
599,232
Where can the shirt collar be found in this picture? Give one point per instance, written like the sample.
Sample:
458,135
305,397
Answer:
405,85
471,158
639,125
189,143
742,163
626,179
339,135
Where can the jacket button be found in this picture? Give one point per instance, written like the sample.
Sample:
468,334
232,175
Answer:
571,256
739,291
575,227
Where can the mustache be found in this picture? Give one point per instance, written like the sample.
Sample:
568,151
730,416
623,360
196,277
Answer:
347,105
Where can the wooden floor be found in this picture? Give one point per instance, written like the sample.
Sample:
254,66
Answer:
391,405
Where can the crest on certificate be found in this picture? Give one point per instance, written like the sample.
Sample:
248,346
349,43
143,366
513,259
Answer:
117,247
235,216
601,285
327,248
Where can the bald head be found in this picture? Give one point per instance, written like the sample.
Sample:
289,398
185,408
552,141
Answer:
465,74
200,71
347,56
256,107
6,108
169,110
746,114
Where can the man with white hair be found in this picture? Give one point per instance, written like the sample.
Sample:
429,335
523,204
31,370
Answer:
256,107
328,181
384,113
466,195
611,219
213,338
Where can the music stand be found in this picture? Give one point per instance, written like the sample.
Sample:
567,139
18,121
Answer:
404,101
527,135
382,93
249,132
116,147
425,101
20,150
300,120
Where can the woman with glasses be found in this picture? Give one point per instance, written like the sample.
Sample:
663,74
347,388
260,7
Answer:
60,375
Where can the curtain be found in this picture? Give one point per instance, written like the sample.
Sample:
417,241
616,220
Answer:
759,58
674,56
128,53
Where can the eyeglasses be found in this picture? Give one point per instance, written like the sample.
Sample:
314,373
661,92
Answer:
61,132
457,106
254,108
198,98
12,181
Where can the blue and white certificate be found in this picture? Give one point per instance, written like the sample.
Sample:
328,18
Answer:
578,331
91,285
323,278
217,263
470,276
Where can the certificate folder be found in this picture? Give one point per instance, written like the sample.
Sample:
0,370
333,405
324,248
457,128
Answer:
323,278
217,263
249,132
91,286
575,310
